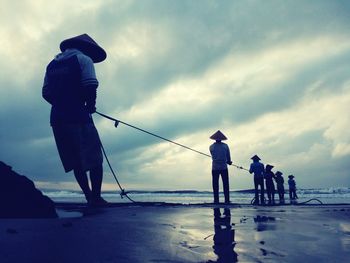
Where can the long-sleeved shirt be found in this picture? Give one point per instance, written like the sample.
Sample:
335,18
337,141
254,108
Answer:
269,175
292,184
279,180
220,154
258,169
70,87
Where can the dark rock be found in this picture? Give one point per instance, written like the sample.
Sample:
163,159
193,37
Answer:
20,199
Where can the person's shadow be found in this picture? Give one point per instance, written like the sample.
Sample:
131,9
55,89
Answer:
224,237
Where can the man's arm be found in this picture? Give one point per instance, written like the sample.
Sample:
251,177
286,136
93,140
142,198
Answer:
46,91
211,148
89,82
228,156
263,169
90,97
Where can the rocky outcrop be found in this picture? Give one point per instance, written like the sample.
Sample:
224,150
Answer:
20,199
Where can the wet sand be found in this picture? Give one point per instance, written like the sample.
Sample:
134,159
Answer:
165,233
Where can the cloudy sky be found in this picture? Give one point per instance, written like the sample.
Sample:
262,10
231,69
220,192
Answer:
273,76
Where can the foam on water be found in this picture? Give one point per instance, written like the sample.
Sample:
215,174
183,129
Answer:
332,195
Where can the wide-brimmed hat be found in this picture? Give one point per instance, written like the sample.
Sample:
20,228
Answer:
86,45
255,157
291,176
278,173
269,167
218,136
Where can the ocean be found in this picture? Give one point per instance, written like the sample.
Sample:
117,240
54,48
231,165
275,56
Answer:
332,195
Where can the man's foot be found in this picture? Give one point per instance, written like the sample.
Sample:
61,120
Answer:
88,197
97,201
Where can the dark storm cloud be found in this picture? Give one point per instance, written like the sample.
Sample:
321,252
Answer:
172,41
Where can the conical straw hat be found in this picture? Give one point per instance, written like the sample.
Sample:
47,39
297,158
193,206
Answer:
218,136
255,157
86,45
269,167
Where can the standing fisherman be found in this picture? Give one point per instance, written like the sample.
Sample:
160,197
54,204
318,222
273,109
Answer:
292,188
280,186
270,186
221,157
70,86
258,169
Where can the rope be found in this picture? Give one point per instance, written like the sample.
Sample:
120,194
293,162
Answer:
208,236
161,137
312,199
122,193
301,203
252,201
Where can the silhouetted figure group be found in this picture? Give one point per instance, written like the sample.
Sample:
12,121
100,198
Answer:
266,174
264,177
70,87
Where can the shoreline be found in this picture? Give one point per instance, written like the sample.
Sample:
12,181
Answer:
181,233
67,205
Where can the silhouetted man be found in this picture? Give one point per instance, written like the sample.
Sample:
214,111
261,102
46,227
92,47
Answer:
280,186
258,169
292,188
270,186
221,157
70,86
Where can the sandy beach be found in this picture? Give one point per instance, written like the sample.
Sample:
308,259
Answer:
175,233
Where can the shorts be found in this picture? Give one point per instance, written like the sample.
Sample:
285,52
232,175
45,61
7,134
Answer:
78,145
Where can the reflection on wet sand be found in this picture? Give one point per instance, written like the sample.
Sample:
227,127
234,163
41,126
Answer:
345,227
262,223
224,237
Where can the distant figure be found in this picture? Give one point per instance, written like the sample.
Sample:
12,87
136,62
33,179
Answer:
280,186
258,169
292,188
221,157
70,86
270,186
